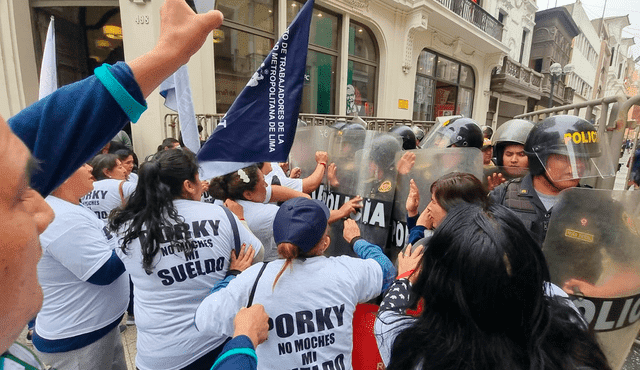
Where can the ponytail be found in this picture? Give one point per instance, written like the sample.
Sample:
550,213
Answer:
150,208
289,252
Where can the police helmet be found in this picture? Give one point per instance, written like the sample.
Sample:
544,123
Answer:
419,132
383,150
339,125
487,131
514,131
407,135
458,132
566,135
353,126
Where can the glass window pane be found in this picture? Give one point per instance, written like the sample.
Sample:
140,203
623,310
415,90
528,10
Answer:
324,26
361,89
318,91
467,77
237,58
447,70
253,13
465,102
426,63
423,99
361,42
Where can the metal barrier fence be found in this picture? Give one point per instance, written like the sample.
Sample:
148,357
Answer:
208,122
612,122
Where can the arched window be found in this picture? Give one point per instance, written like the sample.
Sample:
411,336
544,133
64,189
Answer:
444,87
361,71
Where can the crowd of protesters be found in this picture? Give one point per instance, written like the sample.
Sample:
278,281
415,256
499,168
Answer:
212,269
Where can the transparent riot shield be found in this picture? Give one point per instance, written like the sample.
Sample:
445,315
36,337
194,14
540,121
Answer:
430,165
366,166
307,142
593,251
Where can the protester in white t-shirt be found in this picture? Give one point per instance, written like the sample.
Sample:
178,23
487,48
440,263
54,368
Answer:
248,188
129,161
309,298
176,249
84,285
110,190
274,175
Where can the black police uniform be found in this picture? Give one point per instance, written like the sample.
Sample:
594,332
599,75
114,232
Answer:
520,196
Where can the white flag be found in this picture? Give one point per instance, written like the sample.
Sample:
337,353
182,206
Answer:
48,71
177,93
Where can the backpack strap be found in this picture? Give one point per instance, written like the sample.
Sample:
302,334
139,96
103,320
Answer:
255,284
234,228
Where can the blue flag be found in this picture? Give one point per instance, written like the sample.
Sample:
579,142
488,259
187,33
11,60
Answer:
261,124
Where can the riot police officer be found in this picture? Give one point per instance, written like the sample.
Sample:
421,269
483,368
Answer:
561,150
456,132
508,150
407,135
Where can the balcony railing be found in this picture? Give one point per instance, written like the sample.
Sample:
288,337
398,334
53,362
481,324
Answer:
474,13
517,79
561,92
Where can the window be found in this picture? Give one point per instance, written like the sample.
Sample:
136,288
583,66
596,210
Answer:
248,30
361,71
250,33
502,16
524,41
318,94
444,87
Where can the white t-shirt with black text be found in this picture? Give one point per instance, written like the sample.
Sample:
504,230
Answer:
75,246
105,196
310,309
166,300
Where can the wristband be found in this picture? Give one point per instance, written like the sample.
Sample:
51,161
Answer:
232,273
354,240
324,164
406,274
128,103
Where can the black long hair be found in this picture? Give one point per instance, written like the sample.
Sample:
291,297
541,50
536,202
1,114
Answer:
150,208
482,283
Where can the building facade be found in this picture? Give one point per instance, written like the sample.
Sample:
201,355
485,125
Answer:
380,58
584,56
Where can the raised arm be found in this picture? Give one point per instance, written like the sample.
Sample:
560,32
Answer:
69,126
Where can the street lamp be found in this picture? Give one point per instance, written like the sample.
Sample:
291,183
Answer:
556,72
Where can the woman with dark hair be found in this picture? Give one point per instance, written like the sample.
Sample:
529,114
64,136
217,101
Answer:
110,190
176,249
446,192
248,188
129,162
487,304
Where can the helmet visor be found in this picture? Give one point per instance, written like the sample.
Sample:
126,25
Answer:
583,155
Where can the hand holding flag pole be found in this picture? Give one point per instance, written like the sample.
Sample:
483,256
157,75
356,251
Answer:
261,123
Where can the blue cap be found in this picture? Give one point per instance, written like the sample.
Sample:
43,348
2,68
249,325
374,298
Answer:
301,222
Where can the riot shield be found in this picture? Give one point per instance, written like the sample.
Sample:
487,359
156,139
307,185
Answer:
366,166
430,165
593,251
307,142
